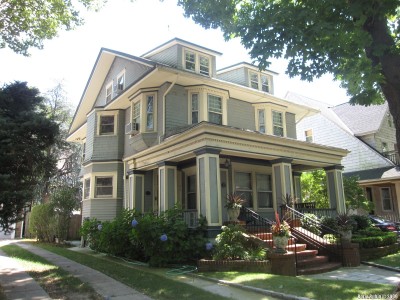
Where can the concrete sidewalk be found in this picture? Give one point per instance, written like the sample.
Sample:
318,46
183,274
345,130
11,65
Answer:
16,283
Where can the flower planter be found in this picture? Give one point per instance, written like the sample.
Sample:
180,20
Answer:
280,243
233,214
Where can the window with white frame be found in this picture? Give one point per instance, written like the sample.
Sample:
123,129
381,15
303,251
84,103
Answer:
264,191
309,135
261,120
204,65
108,92
106,125
243,187
259,81
277,123
215,109
195,108
386,199
191,192
150,112
197,62
104,186
136,114
121,82
86,188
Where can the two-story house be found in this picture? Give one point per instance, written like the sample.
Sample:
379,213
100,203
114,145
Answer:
167,128
369,134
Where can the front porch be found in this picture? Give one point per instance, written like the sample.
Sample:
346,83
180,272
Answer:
198,167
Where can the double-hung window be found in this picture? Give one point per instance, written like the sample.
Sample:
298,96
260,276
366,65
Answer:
277,123
264,191
109,93
191,192
86,188
259,81
204,65
104,186
197,62
136,115
195,108
261,120
190,60
215,109
243,187
106,125
309,135
386,199
121,82
150,112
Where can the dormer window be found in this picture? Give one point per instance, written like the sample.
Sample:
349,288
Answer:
197,62
259,81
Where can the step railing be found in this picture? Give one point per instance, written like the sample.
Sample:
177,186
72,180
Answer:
332,248
254,223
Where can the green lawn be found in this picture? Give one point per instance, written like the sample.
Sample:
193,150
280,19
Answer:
305,287
141,279
59,284
392,260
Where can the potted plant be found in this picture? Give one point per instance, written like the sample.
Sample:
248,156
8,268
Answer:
280,234
345,226
234,203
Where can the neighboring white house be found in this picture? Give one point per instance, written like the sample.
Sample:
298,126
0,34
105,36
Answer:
369,134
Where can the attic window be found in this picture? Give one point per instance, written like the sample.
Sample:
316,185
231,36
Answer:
309,135
259,81
196,62
120,82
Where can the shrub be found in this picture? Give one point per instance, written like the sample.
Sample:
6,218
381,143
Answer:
42,222
331,238
231,244
328,223
385,239
361,222
158,240
309,222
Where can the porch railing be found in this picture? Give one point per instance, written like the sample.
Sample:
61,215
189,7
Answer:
393,156
309,208
331,247
191,218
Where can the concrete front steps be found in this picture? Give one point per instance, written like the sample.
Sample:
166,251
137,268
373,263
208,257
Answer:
308,261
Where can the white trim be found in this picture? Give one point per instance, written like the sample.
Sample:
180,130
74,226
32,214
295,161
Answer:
104,174
107,113
197,54
109,85
391,198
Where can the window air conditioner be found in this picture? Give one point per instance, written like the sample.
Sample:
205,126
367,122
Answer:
132,128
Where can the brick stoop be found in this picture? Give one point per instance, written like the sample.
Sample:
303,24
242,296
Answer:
308,261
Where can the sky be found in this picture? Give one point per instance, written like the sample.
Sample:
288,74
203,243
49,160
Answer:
135,27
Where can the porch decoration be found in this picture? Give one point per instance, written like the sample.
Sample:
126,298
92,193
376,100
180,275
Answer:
345,226
234,203
280,234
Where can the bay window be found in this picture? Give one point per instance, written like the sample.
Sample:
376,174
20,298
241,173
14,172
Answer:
104,186
277,123
215,109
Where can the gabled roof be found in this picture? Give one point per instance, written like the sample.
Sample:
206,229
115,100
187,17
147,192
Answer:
361,119
179,41
99,72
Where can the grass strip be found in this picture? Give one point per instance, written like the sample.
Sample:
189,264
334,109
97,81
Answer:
142,280
392,260
58,283
306,287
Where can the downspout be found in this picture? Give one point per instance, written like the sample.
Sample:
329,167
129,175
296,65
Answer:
164,99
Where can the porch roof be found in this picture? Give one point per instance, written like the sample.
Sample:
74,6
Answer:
235,142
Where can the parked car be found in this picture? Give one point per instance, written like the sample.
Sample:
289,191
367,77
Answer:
384,225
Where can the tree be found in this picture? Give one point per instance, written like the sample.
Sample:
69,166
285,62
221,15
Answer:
354,194
355,40
27,23
314,188
26,132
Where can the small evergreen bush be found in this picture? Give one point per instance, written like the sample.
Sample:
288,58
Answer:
385,239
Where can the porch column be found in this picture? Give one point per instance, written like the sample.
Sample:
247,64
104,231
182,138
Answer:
208,186
167,186
136,190
297,186
282,174
334,180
